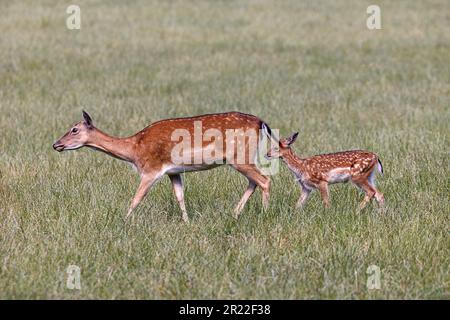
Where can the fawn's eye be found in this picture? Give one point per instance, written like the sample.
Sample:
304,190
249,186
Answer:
74,131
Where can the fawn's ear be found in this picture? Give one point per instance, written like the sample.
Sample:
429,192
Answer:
87,119
290,140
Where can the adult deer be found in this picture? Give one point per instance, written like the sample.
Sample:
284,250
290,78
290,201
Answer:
317,172
223,138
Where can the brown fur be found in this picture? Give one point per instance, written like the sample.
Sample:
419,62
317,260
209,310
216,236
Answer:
150,151
317,172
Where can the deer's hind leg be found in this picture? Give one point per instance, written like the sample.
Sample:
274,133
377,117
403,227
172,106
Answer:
378,195
247,194
255,178
177,185
362,181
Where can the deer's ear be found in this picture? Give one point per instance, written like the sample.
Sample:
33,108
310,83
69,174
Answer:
291,139
87,119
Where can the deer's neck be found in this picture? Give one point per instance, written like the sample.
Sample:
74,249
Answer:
121,148
294,163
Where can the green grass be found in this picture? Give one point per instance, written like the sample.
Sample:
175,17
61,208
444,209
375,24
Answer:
307,66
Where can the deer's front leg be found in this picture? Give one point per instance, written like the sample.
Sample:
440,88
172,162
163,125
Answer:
323,188
305,192
147,181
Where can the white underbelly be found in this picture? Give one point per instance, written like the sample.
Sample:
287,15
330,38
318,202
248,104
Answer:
339,175
191,168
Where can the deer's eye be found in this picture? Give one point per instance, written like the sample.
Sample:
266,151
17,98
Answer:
74,131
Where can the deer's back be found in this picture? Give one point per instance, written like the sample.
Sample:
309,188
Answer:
341,159
156,142
339,166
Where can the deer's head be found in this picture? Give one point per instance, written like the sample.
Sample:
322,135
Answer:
77,136
281,147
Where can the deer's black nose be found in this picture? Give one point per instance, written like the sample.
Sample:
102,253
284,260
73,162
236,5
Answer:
58,146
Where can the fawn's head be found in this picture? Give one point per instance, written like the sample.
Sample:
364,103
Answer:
77,136
281,147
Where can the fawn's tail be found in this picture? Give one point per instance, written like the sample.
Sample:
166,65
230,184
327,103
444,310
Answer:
380,167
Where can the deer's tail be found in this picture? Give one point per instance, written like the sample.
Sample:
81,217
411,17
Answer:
266,129
380,166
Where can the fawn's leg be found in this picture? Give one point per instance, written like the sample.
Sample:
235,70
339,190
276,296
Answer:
378,195
147,181
305,192
177,185
323,188
368,190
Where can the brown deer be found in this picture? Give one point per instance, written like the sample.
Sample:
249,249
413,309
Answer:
156,150
317,172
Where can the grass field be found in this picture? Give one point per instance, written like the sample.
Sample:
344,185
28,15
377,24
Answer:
311,66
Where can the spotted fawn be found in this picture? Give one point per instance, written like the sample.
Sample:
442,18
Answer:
317,172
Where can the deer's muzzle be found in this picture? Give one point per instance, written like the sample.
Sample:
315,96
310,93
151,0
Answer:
58,146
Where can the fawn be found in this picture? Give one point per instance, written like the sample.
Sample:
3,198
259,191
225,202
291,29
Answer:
151,150
317,172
